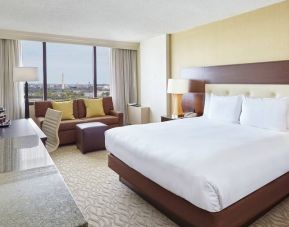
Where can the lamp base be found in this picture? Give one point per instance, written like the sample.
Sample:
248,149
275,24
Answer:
177,105
27,115
174,116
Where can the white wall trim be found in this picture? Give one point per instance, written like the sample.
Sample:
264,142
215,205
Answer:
154,73
20,35
168,37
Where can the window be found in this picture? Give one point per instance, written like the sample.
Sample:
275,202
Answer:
32,56
70,70
103,79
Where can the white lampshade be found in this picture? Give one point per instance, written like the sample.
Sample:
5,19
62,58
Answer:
178,86
23,74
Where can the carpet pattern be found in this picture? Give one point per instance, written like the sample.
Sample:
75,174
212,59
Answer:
104,201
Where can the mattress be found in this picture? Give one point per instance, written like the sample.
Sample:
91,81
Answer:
210,164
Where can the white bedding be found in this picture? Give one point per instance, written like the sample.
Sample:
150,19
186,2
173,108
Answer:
210,164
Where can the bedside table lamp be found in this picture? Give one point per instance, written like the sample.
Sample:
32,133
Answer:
177,87
25,74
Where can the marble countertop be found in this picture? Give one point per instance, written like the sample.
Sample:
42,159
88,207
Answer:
32,191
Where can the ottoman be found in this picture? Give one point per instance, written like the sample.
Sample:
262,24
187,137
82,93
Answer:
90,136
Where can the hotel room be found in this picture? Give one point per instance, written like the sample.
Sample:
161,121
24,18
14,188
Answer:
144,113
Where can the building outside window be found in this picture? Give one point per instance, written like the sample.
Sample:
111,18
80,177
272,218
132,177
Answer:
69,70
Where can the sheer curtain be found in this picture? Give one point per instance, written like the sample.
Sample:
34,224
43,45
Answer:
123,79
11,94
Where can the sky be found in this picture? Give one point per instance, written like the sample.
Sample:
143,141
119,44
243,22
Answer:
74,61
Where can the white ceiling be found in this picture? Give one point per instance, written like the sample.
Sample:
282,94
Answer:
121,20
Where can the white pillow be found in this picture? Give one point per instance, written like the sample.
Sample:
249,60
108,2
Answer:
268,113
225,108
207,104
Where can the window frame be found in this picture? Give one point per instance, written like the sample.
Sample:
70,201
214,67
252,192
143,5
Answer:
44,60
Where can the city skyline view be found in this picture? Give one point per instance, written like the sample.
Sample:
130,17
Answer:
69,70
75,62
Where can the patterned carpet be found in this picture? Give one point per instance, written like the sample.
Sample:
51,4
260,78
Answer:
104,201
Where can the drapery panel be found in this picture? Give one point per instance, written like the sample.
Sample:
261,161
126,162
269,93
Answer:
123,79
11,94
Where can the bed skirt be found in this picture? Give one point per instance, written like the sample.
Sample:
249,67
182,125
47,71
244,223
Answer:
241,213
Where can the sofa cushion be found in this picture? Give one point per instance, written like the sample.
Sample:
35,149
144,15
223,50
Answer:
108,120
66,108
69,124
42,106
75,108
107,106
94,107
81,108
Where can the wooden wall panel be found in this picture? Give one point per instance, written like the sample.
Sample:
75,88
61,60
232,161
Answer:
252,73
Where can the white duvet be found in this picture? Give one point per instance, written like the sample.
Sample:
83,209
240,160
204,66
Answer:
210,164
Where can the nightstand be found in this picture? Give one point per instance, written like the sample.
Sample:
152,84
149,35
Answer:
168,118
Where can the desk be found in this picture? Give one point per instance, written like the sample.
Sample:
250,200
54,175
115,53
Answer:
22,127
32,191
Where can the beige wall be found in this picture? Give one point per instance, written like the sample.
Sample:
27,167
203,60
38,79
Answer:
154,71
257,36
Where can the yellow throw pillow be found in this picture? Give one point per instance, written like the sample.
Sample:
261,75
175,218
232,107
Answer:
66,108
94,107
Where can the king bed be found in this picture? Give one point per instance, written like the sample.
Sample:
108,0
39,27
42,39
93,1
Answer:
204,172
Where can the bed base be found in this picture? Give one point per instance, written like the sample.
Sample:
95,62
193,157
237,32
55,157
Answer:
184,213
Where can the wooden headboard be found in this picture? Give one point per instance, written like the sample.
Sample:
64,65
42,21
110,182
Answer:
252,73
